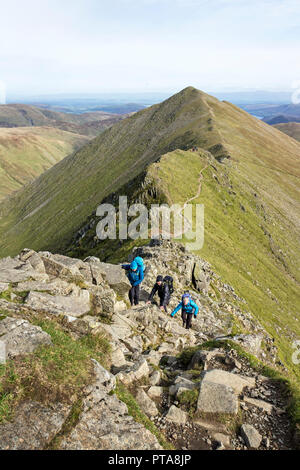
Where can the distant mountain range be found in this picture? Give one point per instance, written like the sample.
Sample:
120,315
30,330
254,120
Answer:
291,128
21,115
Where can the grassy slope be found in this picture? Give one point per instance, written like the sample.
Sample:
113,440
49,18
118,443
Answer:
256,250
290,128
26,152
46,213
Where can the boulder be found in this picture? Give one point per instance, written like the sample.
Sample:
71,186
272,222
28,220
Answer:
115,276
155,378
251,436
146,404
217,398
117,358
103,301
176,415
74,305
200,278
18,337
181,384
251,343
235,381
139,370
155,392
15,270
261,404
104,423
33,258
62,266
34,426
222,439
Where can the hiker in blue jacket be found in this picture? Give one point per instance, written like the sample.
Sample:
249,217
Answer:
135,278
188,309
141,267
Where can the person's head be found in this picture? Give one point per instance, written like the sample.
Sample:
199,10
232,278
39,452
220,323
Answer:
133,266
139,260
159,280
185,299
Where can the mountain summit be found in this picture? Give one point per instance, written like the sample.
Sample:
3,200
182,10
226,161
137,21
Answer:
47,213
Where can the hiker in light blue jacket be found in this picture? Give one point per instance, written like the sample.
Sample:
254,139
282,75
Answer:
188,309
135,278
141,267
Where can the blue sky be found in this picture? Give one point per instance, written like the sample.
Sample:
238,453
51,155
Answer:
59,46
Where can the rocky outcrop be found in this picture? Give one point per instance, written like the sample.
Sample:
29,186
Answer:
18,336
179,381
104,422
34,426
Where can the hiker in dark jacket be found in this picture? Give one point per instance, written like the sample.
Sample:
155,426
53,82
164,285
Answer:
135,278
163,291
188,309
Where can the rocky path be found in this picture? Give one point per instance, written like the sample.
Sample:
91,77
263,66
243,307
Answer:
187,224
164,386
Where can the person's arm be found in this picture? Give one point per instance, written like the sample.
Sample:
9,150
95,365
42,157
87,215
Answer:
125,266
179,306
153,292
196,308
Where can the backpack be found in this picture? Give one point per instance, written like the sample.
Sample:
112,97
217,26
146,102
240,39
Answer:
186,294
169,281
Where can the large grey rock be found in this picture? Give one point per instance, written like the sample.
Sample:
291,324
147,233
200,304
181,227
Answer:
56,286
33,258
74,305
155,391
34,426
61,266
200,277
201,358
115,276
180,385
251,436
176,415
251,343
104,423
217,398
261,404
103,301
155,378
15,270
139,370
146,404
235,381
18,336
